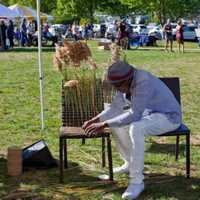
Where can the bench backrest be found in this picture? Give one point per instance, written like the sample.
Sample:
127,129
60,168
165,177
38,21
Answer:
79,107
82,103
173,84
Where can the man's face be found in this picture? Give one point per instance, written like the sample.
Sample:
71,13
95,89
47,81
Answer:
122,86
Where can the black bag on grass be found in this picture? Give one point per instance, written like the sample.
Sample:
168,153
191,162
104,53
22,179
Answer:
38,155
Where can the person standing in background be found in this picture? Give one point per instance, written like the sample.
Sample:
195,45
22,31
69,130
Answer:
10,33
75,31
168,35
3,34
23,30
179,35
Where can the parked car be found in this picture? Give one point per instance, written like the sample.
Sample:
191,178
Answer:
156,31
97,30
57,28
139,28
111,31
189,32
96,27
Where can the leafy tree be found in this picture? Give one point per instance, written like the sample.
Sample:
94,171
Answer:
163,9
4,2
20,2
76,9
114,7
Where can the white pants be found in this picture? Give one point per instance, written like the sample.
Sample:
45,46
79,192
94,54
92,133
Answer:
130,141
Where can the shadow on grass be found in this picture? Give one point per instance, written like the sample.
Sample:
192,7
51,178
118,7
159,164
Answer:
81,185
165,148
45,183
172,187
165,187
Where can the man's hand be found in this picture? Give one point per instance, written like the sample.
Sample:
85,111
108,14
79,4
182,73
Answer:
95,128
89,122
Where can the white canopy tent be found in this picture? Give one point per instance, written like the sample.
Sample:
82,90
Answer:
6,13
29,13
23,11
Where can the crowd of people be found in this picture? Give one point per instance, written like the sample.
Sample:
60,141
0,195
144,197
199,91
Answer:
121,32
24,34
6,34
79,32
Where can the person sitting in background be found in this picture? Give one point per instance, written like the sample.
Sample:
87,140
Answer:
168,35
153,110
179,35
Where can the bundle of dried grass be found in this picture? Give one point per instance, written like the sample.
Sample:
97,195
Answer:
83,99
80,84
71,54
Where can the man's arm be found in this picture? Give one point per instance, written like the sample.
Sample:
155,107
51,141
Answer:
114,109
141,97
98,123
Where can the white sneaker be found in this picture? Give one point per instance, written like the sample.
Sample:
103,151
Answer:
122,169
133,191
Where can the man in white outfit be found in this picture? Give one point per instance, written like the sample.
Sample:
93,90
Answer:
153,110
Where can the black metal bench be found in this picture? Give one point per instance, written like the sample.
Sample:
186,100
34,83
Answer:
73,118
173,84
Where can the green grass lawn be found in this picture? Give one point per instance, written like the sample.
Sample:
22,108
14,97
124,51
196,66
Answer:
20,125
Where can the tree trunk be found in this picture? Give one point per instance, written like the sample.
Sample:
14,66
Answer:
161,13
163,10
91,11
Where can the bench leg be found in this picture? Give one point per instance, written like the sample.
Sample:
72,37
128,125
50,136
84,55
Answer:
188,155
83,141
110,158
61,159
65,153
177,148
103,152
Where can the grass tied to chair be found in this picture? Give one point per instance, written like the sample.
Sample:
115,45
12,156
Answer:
79,73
